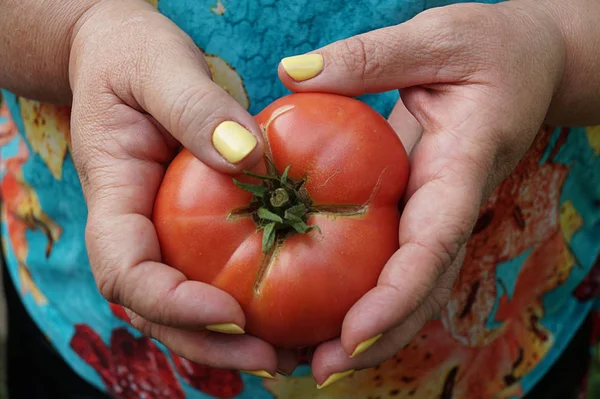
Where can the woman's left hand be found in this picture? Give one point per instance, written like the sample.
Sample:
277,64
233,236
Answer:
479,79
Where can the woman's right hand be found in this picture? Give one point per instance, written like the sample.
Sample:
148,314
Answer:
141,88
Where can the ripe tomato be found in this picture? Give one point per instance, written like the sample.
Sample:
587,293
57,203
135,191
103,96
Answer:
331,162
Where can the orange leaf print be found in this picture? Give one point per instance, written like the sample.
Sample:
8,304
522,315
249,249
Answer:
22,211
47,128
521,214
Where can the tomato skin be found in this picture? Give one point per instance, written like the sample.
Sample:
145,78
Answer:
347,154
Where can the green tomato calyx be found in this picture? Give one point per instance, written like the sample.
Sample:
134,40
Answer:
280,205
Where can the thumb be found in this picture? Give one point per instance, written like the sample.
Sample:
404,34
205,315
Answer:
417,52
177,90
204,118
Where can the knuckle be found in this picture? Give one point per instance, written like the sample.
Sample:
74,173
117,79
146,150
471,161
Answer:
143,325
107,282
193,110
441,253
448,249
100,190
136,321
446,17
437,302
440,256
93,138
154,307
351,54
438,25
90,164
360,55
104,268
162,308
450,37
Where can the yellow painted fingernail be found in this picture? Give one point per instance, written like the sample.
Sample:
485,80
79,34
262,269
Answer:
233,141
363,346
303,67
258,373
335,377
226,328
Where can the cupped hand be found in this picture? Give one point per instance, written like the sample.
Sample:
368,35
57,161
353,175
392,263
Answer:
141,88
479,80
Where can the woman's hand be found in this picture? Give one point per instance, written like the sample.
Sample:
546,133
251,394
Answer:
140,89
479,79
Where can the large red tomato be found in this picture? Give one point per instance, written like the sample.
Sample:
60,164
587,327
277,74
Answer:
299,246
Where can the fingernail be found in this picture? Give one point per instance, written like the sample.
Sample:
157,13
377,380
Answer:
335,377
303,67
258,373
233,141
363,346
226,328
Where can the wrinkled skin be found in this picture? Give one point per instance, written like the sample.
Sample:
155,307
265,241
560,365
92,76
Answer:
347,154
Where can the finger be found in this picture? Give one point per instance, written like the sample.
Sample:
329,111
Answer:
239,352
175,301
404,55
119,159
331,361
202,116
331,358
435,224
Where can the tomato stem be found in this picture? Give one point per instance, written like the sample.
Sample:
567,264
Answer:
280,205
279,198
